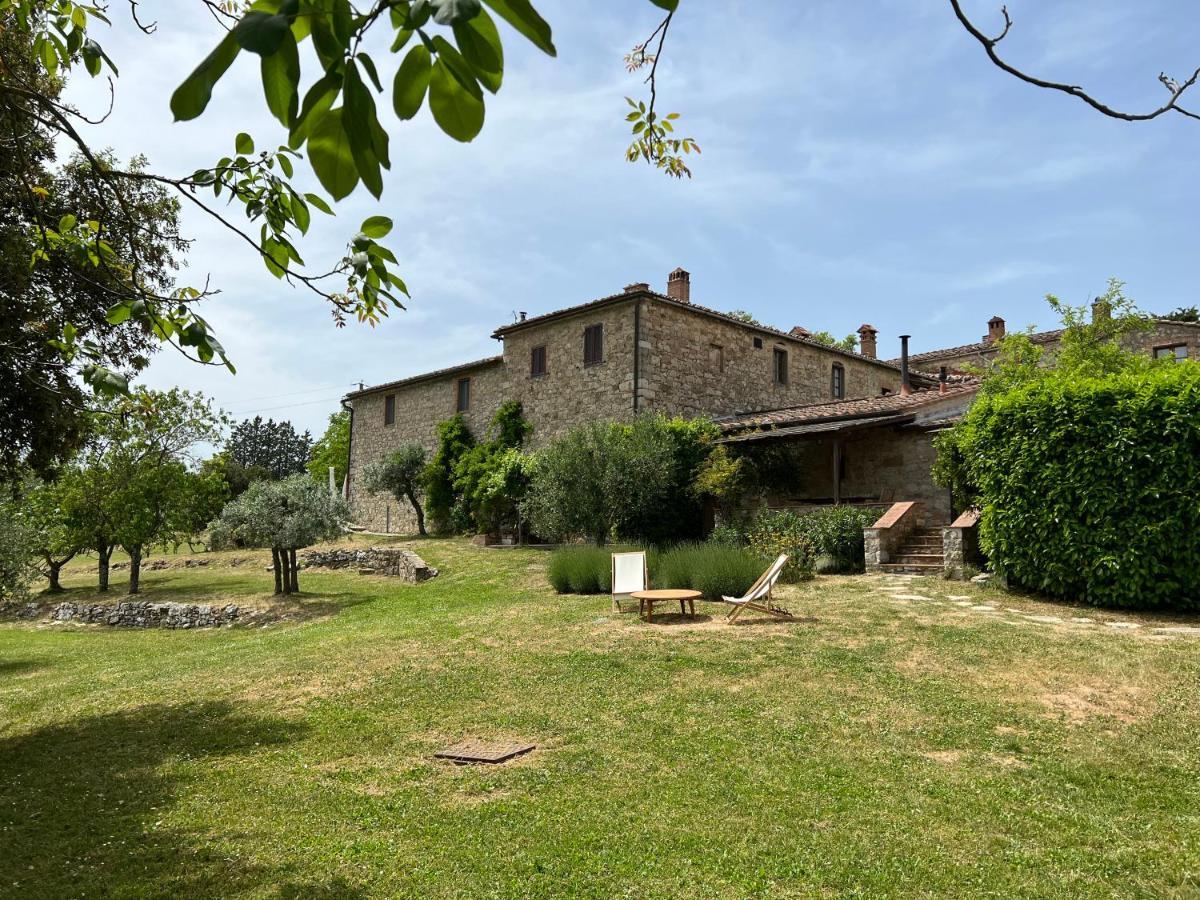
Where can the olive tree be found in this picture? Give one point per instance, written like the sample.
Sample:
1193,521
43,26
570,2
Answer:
399,474
284,515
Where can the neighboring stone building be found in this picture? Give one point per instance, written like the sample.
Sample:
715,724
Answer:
612,358
1164,338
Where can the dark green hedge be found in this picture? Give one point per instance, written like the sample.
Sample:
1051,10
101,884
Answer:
1090,487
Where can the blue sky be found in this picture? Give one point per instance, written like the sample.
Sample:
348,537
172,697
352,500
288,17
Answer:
862,162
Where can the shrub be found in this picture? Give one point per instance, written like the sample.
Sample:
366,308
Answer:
773,533
1088,485
836,532
714,570
728,534
608,480
585,569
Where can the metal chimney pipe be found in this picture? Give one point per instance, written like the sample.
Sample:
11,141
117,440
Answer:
905,385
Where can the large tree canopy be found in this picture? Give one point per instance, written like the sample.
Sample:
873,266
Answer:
322,84
41,402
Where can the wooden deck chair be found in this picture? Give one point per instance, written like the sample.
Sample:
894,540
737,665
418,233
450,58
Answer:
628,575
759,595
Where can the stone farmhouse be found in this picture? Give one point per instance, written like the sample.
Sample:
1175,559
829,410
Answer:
859,427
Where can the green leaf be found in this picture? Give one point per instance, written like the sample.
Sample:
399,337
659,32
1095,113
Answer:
244,144
521,15
281,80
668,5
368,65
479,42
316,104
454,12
191,97
457,111
117,313
66,223
330,155
261,32
458,66
361,126
301,214
320,204
412,81
376,227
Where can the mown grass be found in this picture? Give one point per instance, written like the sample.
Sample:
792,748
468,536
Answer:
881,746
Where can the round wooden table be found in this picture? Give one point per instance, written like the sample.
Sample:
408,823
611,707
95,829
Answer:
647,599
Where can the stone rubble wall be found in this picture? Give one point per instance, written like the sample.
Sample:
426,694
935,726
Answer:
146,614
394,561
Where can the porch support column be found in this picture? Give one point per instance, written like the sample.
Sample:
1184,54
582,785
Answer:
837,471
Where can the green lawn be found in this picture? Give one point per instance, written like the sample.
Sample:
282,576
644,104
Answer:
894,742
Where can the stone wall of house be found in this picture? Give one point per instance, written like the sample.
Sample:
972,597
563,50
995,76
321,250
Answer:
570,392
694,364
419,408
881,465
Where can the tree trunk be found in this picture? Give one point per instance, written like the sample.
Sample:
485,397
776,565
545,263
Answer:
294,570
276,562
55,568
135,567
412,498
104,551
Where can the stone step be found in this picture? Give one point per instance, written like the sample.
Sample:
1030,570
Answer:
911,569
923,543
906,555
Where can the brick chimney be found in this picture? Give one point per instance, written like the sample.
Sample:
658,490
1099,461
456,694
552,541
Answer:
679,286
866,340
800,331
995,329
637,287
1101,310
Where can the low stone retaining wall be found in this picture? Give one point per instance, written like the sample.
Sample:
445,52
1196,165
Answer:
394,561
132,614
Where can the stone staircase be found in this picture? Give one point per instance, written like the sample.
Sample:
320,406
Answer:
920,554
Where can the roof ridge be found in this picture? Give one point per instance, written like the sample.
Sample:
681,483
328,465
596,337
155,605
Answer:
449,370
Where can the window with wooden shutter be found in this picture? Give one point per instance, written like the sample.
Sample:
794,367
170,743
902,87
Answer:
781,366
593,345
464,395
837,381
537,361
389,409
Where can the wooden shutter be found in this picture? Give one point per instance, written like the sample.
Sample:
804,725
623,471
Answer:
593,345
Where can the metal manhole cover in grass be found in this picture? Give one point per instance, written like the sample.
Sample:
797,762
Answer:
472,751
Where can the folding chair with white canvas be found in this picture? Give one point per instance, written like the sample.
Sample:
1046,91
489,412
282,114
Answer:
628,575
758,597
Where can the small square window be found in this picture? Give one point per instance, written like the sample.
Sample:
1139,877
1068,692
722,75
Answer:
537,361
837,381
463,395
389,409
781,366
716,357
758,343
1175,351
593,345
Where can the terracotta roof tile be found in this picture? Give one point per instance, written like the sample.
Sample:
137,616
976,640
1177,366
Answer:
413,379
867,407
